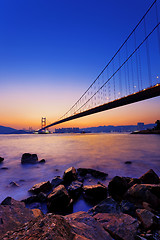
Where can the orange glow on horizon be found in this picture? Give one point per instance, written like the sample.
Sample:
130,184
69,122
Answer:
146,111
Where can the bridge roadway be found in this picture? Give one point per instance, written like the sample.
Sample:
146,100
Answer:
132,98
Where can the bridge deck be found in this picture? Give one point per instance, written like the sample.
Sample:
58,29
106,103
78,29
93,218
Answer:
132,98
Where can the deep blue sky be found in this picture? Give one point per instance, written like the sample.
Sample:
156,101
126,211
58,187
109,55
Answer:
58,45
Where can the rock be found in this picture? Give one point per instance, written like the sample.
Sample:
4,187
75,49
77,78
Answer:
56,181
4,168
41,187
95,173
140,238
140,193
31,199
75,189
148,207
109,205
1,159
153,188
28,158
150,177
134,181
13,214
128,208
49,227
128,162
117,187
42,197
146,218
120,226
58,200
70,175
95,192
13,184
37,213
86,227
42,161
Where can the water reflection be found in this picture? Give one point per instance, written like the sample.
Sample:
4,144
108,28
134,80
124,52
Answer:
105,152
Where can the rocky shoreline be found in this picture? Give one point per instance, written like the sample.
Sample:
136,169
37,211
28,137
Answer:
128,208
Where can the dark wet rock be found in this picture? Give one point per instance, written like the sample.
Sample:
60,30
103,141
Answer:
1,159
153,188
148,207
41,187
8,201
128,162
109,205
128,208
75,189
139,193
31,199
70,175
95,192
58,200
4,168
42,161
150,177
49,227
22,180
28,158
13,184
13,213
117,187
134,181
120,226
56,181
42,197
146,218
86,227
95,173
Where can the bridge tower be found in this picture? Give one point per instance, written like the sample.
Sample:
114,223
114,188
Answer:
43,122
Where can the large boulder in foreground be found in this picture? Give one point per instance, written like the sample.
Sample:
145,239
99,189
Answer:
86,227
28,158
120,226
58,200
48,227
79,226
41,187
13,214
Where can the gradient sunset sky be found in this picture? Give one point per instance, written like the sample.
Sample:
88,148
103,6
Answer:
52,50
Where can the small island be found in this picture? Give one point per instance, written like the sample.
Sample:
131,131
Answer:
155,130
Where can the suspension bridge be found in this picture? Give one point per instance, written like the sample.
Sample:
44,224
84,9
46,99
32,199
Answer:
132,74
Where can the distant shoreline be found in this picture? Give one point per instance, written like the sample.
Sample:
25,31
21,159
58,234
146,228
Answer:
148,131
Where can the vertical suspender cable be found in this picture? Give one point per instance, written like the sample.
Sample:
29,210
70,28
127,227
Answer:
136,62
158,30
148,56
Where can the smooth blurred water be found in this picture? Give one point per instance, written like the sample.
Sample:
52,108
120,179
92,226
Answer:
105,152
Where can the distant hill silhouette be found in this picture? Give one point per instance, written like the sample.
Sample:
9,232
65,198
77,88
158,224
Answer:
6,130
